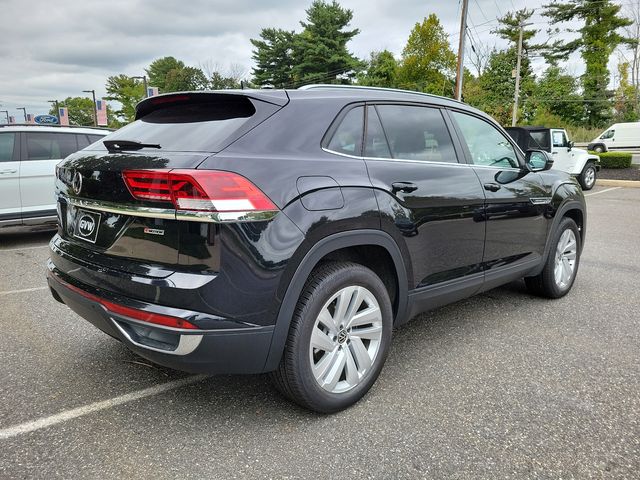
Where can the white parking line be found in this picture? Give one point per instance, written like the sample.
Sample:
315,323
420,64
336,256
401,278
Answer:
22,248
602,191
34,289
45,422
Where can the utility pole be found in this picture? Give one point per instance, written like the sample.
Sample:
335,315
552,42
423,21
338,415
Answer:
24,112
55,102
514,117
144,84
463,35
95,113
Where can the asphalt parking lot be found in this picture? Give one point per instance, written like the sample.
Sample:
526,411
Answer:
503,385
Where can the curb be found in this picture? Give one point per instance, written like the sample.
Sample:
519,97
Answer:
605,182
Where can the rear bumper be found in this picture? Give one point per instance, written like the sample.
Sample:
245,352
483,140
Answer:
219,350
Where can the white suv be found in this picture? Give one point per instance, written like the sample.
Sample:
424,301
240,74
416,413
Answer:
28,158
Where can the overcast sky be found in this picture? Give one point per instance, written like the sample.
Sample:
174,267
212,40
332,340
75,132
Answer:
54,49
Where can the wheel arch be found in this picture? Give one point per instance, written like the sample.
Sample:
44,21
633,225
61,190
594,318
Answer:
323,250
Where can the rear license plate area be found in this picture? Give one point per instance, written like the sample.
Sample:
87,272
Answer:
87,225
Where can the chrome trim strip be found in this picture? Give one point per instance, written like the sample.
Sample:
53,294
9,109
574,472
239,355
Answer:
169,213
186,345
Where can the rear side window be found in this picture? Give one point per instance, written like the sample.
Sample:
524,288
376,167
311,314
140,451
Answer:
540,140
348,136
375,144
417,133
7,142
83,141
49,146
193,127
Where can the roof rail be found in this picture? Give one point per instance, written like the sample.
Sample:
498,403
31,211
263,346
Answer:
318,86
55,125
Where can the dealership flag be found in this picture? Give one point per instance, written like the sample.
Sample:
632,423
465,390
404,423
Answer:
12,119
63,115
152,91
101,108
30,118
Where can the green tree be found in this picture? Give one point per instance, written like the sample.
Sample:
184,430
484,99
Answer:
381,70
624,98
127,92
598,38
158,70
509,29
185,79
428,63
556,93
320,51
273,55
80,110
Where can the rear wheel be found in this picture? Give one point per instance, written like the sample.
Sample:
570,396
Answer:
561,267
338,339
588,176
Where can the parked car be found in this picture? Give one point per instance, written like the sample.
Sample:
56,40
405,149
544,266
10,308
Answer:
619,136
289,231
28,158
575,161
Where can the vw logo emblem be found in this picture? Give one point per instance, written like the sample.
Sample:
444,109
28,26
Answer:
76,183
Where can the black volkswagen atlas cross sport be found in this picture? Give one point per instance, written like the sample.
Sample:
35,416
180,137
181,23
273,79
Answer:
289,231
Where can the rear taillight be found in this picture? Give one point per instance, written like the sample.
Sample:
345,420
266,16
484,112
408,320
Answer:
199,190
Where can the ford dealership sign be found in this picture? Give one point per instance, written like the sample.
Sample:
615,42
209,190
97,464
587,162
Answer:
46,119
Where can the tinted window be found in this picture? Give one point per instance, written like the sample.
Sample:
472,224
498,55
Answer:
50,146
7,141
195,127
95,138
417,133
485,142
375,144
83,141
540,140
348,136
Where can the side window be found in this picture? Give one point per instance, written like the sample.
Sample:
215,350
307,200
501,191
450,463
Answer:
559,139
417,133
348,136
7,142
50,146
95,138
485,142
375,144
608,134
83,141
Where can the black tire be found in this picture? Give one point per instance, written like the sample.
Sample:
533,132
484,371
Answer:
294,377
545,284
588,176
599,149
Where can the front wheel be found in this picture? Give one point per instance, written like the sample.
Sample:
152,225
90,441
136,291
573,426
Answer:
588,176
598,149
338,339
561,266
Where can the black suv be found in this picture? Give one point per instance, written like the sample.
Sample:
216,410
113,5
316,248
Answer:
290,231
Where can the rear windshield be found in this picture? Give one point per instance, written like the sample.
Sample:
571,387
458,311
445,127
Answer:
196,127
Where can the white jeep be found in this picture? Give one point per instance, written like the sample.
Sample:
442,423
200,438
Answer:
575,161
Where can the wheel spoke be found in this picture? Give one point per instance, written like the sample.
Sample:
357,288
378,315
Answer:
360,354
371,333
365,317
321,340
351,369
335,371
570,246
570,255
328,321
344,299
357,297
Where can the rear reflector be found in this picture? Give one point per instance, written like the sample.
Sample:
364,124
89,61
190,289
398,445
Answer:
198,190
134,313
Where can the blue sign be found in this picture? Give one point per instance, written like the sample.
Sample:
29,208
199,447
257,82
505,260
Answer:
46,119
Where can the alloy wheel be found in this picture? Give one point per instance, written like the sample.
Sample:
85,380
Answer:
566,254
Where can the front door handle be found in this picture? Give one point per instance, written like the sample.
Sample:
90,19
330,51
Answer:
406,187
492,187
2,172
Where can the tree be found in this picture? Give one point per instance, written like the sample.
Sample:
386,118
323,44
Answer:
127,92
556,93
185,79
320,51
381,70
273,55
598,38
509,29
158,70
428,63
80,110
624,97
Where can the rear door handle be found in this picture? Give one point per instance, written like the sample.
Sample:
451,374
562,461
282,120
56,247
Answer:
406,187
492,187
2,172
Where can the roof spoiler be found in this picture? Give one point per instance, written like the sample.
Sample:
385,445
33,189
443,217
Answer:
148,105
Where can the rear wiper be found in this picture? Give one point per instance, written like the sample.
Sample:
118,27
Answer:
121,145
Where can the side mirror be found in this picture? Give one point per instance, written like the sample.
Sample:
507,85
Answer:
538,160
570,145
